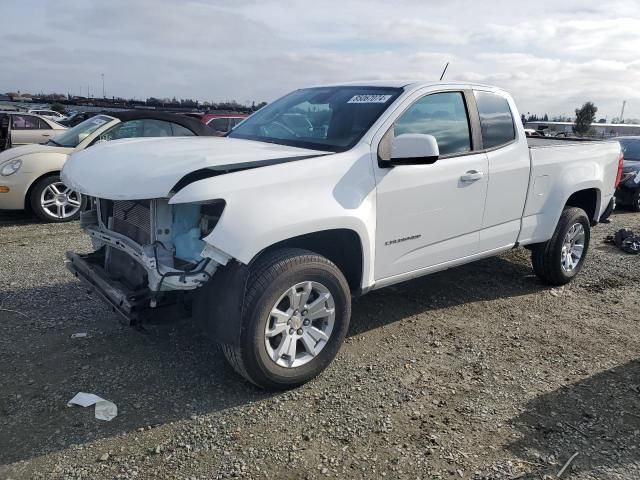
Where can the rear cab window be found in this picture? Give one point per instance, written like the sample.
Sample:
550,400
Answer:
496,120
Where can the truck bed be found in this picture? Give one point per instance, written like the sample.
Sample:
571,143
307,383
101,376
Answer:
560,167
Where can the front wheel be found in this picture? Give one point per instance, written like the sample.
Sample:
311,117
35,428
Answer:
52,201
296,315
561,258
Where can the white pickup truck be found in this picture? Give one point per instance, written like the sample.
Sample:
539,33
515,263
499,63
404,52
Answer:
264,236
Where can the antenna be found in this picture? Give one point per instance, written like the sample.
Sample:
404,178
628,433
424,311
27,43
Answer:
444,71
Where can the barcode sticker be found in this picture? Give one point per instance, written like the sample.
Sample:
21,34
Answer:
369,99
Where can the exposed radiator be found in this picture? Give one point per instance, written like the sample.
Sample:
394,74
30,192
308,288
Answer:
131,218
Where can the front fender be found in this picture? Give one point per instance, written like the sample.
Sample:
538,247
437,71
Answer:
267,205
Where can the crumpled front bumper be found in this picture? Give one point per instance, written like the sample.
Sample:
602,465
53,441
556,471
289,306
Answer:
160,276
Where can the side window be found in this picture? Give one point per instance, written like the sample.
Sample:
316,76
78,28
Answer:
157,128
180,131
42,125
130,129
220,124
25,122
443,115
496,120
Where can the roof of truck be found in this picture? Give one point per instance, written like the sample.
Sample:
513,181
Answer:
405,83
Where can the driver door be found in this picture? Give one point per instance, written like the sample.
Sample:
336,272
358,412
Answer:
429,215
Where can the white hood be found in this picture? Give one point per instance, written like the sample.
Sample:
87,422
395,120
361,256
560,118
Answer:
143,168
23,150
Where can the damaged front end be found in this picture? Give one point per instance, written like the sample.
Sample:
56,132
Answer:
148,254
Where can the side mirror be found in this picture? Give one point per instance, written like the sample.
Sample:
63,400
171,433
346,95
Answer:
414,149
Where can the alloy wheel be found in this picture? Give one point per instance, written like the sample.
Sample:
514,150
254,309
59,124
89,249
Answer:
572,247
299,324
59,201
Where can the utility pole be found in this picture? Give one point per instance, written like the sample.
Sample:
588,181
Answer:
103,95
624,102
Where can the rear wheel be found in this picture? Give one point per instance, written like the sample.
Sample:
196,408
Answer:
296,315
52,201
561,258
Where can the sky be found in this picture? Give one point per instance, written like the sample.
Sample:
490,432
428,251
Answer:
551,55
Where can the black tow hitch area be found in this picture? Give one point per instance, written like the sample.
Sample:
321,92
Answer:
129,303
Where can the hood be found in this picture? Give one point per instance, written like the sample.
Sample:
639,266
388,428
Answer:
144,168
23,150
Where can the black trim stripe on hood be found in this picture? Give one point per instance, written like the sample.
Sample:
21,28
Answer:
218,170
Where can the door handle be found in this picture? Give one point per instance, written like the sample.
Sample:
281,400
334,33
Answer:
472,176
46,135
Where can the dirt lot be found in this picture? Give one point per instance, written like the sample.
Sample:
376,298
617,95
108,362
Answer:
477,372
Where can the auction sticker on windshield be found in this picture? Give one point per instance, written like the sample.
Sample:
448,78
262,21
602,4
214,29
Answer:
369,99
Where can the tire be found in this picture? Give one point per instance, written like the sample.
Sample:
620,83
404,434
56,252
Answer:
635,201
256,356
51,189
548,259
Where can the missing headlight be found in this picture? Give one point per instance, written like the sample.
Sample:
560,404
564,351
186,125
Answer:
211,213
191,223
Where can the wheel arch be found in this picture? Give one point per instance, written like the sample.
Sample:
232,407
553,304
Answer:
213,310
27,195
588,199
343,246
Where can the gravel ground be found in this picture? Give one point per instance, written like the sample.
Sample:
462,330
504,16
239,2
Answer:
477,372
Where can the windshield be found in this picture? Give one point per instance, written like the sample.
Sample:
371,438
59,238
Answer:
630,148
73,136
324,118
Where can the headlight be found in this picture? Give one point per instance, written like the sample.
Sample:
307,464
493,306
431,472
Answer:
11,167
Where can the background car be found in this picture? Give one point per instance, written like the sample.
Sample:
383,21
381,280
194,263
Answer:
30,175
31,128
50,114
222,123
77,117
197,115
628,192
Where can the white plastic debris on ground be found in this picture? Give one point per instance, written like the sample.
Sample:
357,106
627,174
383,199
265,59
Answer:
105,410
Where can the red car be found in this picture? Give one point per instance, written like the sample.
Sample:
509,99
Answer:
222,123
